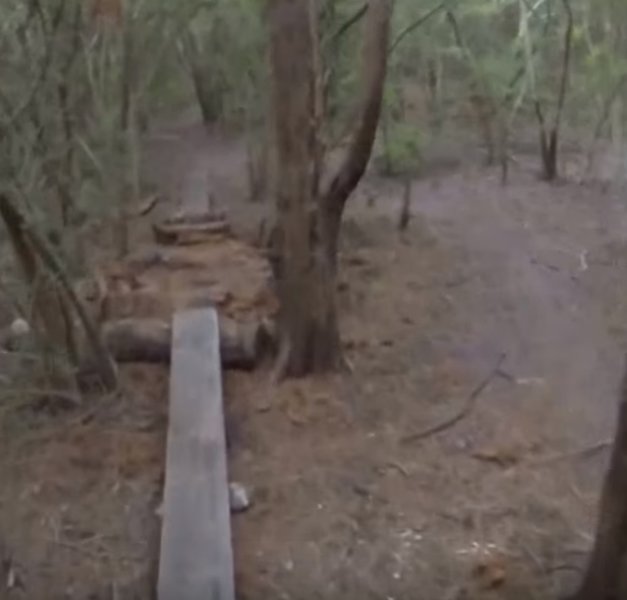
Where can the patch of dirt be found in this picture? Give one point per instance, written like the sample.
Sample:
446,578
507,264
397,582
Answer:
344,508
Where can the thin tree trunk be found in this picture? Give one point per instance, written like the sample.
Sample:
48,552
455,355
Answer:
53,309
319,98
549,140
487,109
50,313
126,122
374,70
604,115
605,578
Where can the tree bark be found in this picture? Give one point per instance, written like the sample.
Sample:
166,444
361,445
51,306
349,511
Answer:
54,309
308,321
51,315
374,69
306,240
605,578
549,139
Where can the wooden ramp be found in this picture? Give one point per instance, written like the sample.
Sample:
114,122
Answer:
196,561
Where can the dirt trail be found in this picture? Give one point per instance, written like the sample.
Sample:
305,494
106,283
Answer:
190,165
530,247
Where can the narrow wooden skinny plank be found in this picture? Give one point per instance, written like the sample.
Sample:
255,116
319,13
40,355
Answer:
196,561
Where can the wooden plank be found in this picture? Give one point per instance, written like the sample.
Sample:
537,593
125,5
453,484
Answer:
196,188
196,561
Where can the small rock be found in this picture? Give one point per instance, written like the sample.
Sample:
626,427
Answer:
238,498
20,328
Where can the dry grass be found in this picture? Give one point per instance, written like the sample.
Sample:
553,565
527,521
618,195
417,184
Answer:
81,484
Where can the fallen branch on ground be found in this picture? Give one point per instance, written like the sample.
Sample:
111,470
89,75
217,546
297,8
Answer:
172,233
147,206
573,454
463,413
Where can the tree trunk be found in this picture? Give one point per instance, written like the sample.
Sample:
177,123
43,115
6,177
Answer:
374,68
548,149
308,319
605,578
51,315
549,140
306,240
54,309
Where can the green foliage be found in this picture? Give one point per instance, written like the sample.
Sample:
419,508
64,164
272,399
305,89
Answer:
399,149
224,51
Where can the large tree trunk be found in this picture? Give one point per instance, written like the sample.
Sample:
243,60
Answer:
605,578
308,320
306,241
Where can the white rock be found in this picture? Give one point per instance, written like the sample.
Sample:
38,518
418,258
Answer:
238,497
20,327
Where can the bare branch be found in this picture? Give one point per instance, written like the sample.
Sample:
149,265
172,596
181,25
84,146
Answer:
415,25
374,69
28,234
352,20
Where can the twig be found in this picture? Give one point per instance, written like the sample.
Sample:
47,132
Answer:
580,453
147,206
399,467
105,365
405,215
413,26
352,20
464,412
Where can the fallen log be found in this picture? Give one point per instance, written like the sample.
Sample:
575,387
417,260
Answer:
242,345
183,234
183,218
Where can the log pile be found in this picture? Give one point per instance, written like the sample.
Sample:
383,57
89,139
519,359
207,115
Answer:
133,302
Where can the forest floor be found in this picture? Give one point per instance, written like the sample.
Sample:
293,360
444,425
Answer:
520,288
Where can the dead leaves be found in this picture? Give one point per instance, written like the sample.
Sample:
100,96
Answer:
490,573
501,456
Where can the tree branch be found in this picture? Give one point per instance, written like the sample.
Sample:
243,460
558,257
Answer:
374,68
352,20
415,25
16,221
